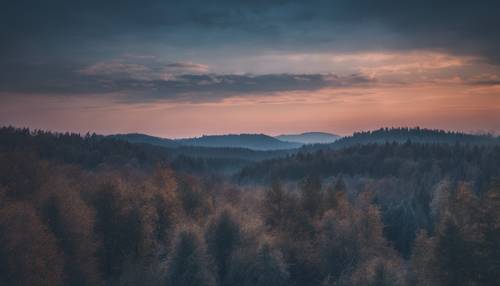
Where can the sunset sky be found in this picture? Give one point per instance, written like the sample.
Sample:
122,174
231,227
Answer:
187,68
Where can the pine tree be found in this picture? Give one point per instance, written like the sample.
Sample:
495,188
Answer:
311,195
274,205
270,269
223,238
334,193
490,245
188,265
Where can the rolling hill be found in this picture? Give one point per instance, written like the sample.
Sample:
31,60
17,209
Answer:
363,150
309,138
250,141
257,142
143,138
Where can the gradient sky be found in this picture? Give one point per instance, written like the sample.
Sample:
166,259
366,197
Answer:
187,68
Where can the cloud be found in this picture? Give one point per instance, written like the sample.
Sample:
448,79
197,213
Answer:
141,68
116,68
184,67
215,87
485,79
55,27
147,78
151,80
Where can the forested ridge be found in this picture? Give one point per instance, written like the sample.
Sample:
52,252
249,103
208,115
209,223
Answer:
91,211
88,151
92,151
458,162
258,142
415,135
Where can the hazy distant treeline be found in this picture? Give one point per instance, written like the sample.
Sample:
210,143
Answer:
477,164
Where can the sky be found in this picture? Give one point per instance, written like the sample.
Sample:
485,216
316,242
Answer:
188,68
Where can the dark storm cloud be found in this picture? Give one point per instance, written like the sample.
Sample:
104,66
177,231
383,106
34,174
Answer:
215,87
170,81
458,26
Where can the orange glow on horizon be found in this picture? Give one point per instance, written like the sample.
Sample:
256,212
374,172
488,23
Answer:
342,111
422,88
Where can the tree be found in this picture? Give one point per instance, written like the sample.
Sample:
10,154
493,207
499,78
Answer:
423,260
117,225
195,203
338,246
188,265
379,272
72,223
453,256
29,254
489,248
265,267
270,268
311,195
457,240
223,238
348,236
273,205
166,205
333,193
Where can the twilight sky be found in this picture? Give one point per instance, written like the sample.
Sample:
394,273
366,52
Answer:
186,68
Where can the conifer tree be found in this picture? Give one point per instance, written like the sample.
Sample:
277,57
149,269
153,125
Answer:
188,265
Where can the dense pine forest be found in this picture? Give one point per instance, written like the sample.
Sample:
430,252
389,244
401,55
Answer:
376,208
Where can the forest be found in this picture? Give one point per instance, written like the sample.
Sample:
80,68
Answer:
376,208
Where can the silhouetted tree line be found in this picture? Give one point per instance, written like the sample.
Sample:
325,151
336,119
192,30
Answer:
409,161
64,224
93,151
416,135
89,151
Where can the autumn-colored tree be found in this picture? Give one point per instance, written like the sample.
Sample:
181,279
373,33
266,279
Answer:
72,223
195,203
274,204
333,193
423,260
489,247
349,236
311,195
300,253
458,236
379,272
29,253
263,267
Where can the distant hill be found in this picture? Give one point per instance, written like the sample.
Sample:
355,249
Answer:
258,142
127,151
399,152
309,138
313,140
143,138
250,141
